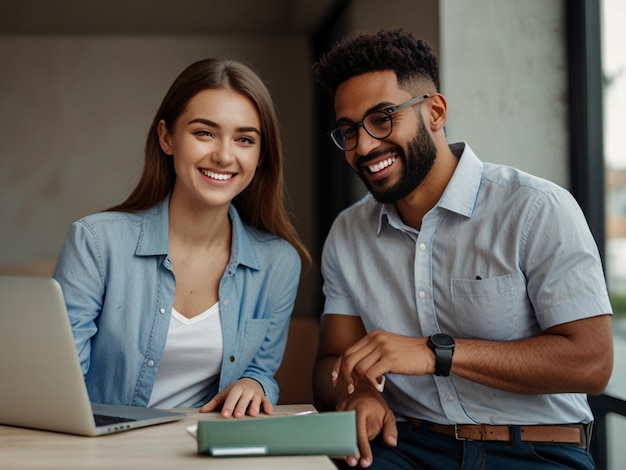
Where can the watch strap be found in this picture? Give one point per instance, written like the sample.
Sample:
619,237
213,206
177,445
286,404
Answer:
443,361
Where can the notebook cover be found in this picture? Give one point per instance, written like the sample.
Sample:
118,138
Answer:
329,433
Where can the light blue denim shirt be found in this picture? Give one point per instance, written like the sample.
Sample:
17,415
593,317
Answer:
502,256
118,285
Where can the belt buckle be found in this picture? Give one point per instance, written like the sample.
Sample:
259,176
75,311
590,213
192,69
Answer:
456,434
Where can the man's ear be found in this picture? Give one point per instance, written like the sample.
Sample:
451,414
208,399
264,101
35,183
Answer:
165,140
438,112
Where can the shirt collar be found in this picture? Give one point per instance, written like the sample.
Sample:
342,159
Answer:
153,237
462,190
460,194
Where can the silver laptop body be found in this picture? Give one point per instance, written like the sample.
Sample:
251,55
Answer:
41,382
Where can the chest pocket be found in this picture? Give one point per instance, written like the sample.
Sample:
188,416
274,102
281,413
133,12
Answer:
489,308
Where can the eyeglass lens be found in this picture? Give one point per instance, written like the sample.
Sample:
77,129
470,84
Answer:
378,124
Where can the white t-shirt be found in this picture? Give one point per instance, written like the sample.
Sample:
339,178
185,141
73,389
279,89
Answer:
191,361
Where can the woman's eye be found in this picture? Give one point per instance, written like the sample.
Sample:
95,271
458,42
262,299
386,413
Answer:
203,133
246,140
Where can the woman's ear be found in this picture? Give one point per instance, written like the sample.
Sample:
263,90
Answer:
438,112
165,140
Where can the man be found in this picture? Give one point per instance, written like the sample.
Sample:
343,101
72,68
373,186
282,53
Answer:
471,294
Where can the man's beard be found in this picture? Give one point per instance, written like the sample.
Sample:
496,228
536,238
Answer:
416,166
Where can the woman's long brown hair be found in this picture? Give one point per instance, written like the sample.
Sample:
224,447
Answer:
262,203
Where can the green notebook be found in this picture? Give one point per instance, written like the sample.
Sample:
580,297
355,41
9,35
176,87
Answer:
329,433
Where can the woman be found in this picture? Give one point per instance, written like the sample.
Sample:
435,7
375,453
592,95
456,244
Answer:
181,295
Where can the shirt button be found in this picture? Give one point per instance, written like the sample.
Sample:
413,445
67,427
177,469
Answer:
150,363
422,294
226,302
422,246
162,310
231,358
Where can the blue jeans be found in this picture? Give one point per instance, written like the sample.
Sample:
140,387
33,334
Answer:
418,448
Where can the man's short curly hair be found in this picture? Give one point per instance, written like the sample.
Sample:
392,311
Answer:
410,58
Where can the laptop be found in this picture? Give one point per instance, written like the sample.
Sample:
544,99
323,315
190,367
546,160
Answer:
41,382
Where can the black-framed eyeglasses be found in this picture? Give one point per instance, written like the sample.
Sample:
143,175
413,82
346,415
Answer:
377,123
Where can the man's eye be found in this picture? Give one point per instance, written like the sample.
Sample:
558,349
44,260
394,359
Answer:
348,132
379,119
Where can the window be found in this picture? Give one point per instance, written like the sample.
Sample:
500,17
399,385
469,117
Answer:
614,89
613,39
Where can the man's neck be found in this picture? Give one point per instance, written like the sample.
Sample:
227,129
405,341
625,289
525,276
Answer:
416,205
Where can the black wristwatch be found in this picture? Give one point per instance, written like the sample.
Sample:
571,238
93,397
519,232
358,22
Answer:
443,346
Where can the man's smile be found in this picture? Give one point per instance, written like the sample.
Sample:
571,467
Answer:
381,165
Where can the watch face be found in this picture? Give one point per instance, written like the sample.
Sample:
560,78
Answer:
442,340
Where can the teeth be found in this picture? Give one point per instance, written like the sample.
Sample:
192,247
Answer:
381,165
217,176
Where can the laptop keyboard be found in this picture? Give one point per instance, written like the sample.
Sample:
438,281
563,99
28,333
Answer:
103,420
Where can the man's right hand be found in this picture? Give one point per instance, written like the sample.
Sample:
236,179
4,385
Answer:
373,417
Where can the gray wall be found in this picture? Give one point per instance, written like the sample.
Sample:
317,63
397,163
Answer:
504,72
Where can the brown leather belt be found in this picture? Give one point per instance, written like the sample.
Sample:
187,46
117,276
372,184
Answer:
572,434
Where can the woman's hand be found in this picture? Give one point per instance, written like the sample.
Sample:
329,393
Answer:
244,396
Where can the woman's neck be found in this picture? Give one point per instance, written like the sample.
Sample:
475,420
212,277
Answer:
198,225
